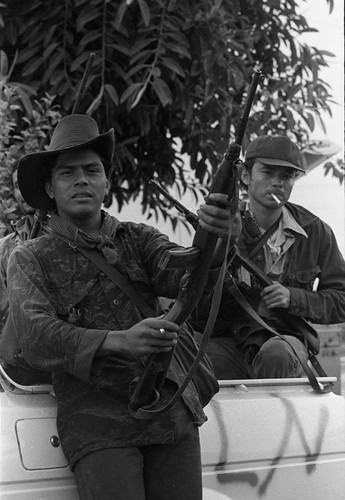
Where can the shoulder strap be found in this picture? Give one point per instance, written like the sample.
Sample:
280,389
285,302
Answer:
118,279
242,301
97,258
264,238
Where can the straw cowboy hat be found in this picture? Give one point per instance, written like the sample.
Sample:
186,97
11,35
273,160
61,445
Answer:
73,132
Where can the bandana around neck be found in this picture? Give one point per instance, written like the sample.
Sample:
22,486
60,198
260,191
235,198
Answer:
103,242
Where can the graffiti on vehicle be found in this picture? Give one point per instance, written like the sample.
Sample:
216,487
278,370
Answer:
292,420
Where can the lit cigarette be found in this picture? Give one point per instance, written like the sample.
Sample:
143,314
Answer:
162,331
276,199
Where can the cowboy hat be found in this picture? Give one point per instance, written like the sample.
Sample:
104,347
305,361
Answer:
73,132
275,150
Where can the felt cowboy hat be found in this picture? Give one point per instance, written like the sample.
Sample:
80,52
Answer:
275,150
73,132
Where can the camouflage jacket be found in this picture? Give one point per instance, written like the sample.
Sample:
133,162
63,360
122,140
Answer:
63,306
7,244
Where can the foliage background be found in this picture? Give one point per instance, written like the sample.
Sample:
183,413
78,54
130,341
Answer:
169,76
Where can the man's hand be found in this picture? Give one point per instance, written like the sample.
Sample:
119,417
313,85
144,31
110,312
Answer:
148,336
276,295
216,218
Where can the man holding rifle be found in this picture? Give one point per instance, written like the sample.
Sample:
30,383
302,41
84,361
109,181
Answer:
74,322
303,268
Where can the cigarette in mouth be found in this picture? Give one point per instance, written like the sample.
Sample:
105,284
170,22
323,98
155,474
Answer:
276,199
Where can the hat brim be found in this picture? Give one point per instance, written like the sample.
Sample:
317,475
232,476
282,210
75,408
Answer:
283,163
32,169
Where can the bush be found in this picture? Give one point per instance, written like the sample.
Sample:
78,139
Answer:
25,127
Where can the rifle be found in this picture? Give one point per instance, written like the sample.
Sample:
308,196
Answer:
197,259
39,218
189,216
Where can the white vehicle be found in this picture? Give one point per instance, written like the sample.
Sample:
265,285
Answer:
264,439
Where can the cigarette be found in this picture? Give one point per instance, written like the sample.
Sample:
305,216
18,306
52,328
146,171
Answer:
162,331
276,199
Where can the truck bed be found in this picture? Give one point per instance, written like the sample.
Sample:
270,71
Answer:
264,439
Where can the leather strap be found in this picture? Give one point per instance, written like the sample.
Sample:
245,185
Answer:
264,238
119,280
242,301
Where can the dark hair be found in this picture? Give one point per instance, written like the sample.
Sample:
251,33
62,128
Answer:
247,165
47,171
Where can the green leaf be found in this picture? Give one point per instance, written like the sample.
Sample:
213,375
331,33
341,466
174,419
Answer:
163,91
129,91
91,36
3,64
49,50
140,44
173,66
119,15
26,54
136,69
32,66
79,61
145,12
111,91
25,100
85,17
179,49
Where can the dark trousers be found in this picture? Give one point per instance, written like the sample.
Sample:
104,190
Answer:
151,472
275,358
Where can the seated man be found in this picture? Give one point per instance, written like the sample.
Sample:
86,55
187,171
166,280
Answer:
296,250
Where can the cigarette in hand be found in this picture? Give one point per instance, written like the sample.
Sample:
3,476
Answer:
276,199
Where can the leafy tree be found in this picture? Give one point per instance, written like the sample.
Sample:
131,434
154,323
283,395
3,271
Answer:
24,128
171,76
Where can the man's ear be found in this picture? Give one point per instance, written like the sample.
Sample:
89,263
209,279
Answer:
107,191
49,190
245,176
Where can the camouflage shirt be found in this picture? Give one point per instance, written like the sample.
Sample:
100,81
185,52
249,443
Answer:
63,306
7,244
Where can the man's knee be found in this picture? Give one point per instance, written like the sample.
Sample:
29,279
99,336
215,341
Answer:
276,359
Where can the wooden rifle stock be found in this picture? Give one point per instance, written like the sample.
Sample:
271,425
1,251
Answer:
145,390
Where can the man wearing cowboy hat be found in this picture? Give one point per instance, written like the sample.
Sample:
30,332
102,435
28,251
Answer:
296,250
73,321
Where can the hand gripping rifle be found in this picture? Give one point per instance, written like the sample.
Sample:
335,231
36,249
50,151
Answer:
197,260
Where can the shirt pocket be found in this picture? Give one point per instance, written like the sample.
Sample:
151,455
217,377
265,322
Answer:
305,279
67,303
136,273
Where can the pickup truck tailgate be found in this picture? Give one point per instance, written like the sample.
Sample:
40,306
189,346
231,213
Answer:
274,439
